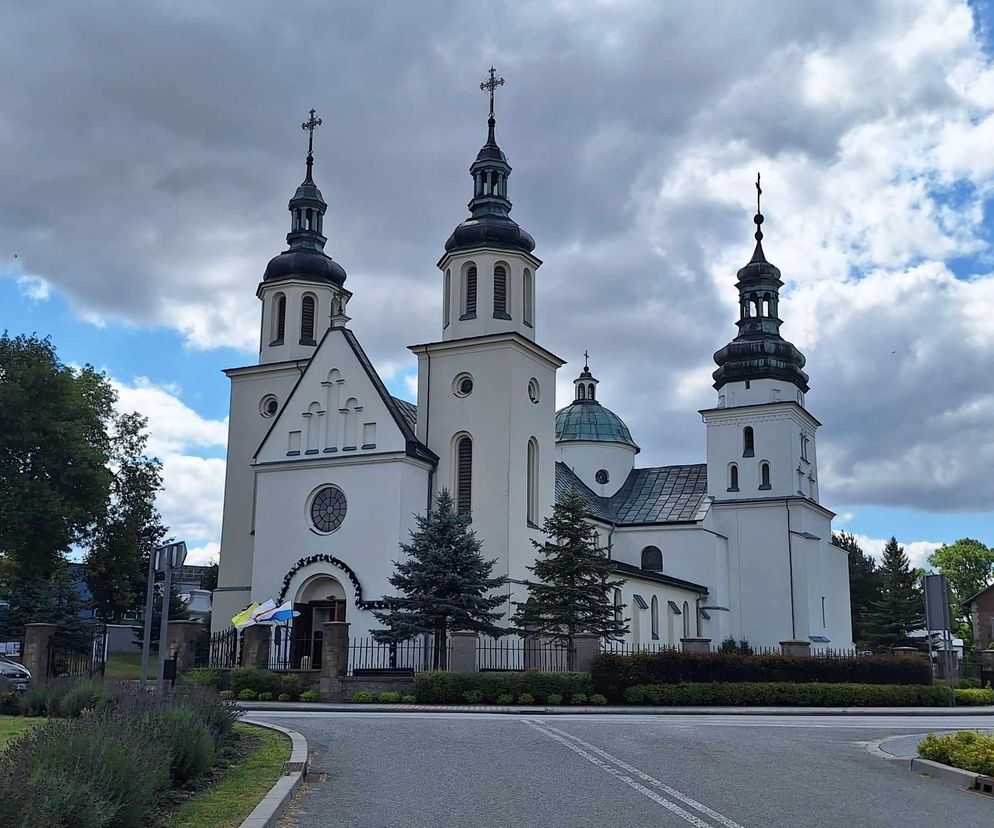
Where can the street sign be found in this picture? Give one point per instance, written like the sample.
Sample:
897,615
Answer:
936,603
174,552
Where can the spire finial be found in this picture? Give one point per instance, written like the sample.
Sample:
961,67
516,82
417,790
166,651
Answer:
759,213
310,125
490,85
586,361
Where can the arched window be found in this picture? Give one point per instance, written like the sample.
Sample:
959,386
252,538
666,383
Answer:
469,292
351,414
447,299
581,392
652,559
307,320
617,605
655,618
748,442
733,478
529,298
279,320
764,475
464,475
767,305
500,292
686,620
590,392
532,488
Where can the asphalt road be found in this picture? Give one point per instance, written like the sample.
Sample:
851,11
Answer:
490,771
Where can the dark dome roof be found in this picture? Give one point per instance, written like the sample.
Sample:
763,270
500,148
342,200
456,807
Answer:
308,265
490,231
590,421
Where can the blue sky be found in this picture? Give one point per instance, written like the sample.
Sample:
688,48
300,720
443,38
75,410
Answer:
660,194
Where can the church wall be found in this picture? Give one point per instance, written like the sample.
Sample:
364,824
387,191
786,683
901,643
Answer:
586,458
688,551
294,291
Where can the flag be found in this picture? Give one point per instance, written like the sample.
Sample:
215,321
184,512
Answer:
244,618
284,612
265,606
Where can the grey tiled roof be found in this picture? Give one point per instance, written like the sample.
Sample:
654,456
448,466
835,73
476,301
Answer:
659,495
409,411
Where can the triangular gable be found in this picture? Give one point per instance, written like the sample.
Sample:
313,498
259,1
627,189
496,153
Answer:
339,407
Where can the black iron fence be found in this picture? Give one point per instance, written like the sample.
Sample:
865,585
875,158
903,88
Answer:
79,653
223,650
291,649
513,654
368,657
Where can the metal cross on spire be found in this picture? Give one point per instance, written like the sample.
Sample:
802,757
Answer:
586,361
759,213
310,125
490,85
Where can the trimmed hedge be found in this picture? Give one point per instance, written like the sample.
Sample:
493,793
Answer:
785,694
967,750
240,679
454,688
974,696
613,674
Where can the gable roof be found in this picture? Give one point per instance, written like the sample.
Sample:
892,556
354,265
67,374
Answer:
408,410
976,595
664,494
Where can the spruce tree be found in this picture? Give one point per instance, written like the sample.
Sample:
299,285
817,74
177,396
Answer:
446,584
900,607
573,593
864,583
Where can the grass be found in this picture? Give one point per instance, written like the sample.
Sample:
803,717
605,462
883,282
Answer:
13,726
227,803
127,666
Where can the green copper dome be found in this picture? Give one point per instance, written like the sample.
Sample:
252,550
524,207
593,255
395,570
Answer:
589,420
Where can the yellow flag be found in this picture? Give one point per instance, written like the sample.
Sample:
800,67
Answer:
244,617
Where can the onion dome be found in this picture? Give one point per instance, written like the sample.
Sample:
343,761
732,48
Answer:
587,420
490,224
759,352
306,258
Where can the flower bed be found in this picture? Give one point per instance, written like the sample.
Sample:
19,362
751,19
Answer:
966,750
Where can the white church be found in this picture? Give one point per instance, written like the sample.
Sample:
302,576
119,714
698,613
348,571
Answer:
326,470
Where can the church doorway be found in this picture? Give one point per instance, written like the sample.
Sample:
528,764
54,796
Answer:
319,600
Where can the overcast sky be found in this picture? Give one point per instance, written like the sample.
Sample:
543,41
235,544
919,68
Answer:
147,152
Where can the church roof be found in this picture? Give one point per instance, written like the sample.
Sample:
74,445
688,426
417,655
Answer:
408,410
589,420
665,494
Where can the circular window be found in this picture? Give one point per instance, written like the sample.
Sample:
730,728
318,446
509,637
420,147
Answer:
268,406
602,476
462,385
328,509
533,393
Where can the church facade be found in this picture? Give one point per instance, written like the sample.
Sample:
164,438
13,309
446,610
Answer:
326,469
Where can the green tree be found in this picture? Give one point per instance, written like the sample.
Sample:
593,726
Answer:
969,567
54,453
446,584
900,607
178,611
117,562
864,583
573,593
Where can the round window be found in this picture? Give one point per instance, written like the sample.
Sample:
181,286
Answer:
268,406
533,393
602,476
328,509
462,385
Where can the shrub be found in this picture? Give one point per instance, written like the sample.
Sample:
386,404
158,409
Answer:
247,695
9,704
578,698
227,694
505,698
213,712
786,694
526,698
267,696
597,698
359,697
34,702
284,697
263,681
389,697
974,696
473,697
966,749
612,674
191,745
451,688
313,696
967,683
554,698
203,677
409,699
86,695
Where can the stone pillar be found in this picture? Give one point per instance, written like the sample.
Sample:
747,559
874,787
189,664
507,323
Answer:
586,646
795,648
181,643
334,658
463,653
696,645
35,654
255,646
906,651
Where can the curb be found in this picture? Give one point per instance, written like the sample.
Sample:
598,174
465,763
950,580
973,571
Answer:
944,774
268,811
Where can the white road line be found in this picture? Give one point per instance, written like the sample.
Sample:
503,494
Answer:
638,786
686,800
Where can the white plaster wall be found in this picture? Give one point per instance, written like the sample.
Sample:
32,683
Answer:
586,458
688,551
670,624
294,291
759,391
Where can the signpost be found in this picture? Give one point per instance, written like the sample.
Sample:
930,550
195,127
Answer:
937,619
163,559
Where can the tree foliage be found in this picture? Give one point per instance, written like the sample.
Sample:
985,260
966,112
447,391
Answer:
446,584
900,606
968,566
574,587
864,583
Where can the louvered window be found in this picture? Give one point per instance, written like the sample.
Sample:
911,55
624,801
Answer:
500,292
748,442
307,321
532,478
469,294
279,323
464,475
529,297
652,559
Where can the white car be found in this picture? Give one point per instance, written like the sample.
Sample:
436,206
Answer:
13,676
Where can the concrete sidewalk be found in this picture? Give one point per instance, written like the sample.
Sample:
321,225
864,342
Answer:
640,710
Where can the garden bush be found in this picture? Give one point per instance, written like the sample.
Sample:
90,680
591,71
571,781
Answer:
505,698
554,698
203,677
247,695
262,681
360,697
389,697
226,694
284,697
597,698
473,697
442,687
526,698
967,750
578,698
612,674
974,696
191,746
86,695
807,694
312,696
267,696
9,705
409,699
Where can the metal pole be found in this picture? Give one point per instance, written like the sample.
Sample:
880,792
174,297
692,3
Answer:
164,623
149,604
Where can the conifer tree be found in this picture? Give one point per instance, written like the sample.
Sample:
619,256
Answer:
446,584
573,593
864,583
900,607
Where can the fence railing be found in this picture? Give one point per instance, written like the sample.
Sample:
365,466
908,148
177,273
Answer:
223,650
80,653
368,657
295,650
514,654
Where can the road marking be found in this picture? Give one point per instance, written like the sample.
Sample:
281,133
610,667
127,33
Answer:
632,783
686,800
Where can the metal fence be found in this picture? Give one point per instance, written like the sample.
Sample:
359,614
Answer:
291,649
223,650
81,653
627,648
368,657
514,654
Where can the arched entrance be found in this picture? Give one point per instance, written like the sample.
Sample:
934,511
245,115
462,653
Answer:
319,599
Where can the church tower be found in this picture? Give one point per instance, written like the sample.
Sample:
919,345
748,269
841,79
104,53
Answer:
486,390
761,438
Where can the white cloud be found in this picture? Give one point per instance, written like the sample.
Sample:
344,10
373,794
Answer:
918,551
34,287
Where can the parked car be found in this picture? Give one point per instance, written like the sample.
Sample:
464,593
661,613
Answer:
13,676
